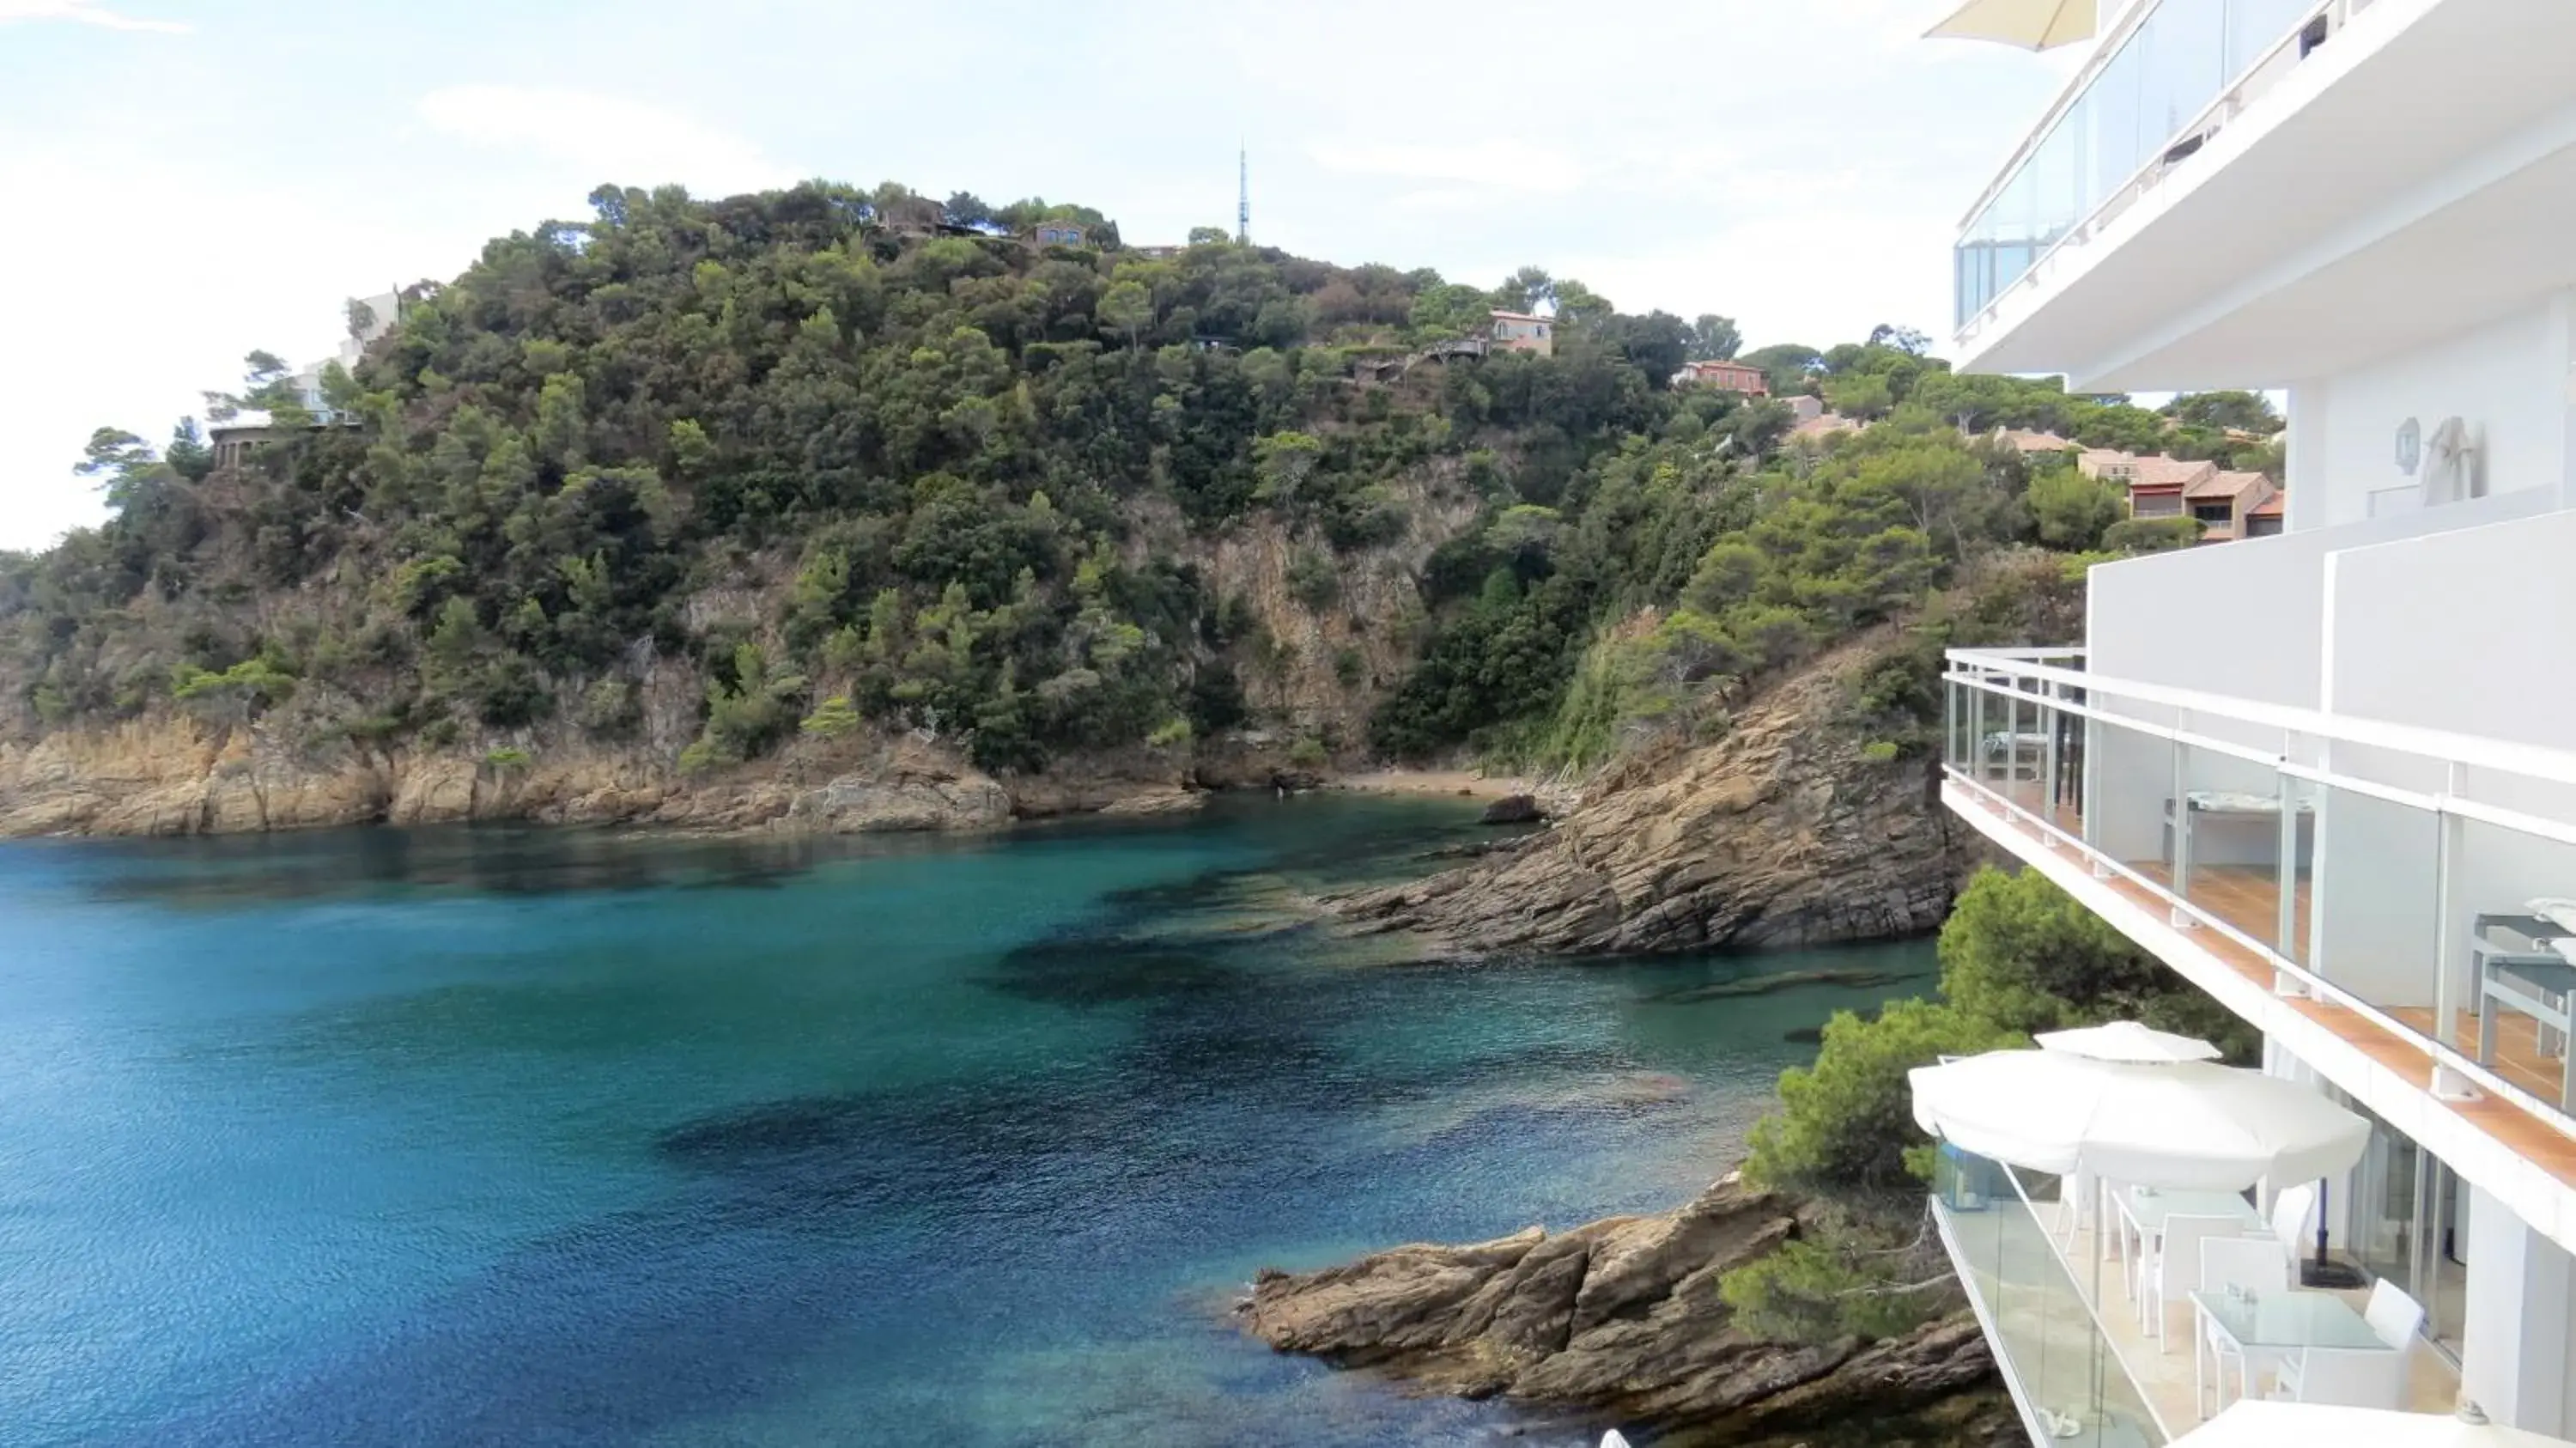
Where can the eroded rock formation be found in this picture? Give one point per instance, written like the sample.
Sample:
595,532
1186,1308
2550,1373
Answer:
1781,833
1621,1320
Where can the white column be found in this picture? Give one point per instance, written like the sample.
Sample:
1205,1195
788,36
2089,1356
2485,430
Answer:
2514,1349
2304,470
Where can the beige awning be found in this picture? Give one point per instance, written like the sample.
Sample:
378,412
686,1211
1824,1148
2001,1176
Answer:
2030,24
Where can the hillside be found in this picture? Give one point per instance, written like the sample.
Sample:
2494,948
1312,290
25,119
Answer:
823,505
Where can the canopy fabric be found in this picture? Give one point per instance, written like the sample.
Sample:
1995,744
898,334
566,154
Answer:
2030,24
2187,1125
2127,1041
2256,1423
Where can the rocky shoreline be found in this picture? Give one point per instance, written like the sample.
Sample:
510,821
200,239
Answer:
176,776
1620,1322
1787,831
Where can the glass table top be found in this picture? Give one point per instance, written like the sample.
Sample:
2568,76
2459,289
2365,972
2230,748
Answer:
2288,1319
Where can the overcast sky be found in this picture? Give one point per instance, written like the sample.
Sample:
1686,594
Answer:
185,180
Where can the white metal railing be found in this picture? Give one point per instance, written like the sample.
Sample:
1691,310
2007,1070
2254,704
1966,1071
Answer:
2025,678
2247,82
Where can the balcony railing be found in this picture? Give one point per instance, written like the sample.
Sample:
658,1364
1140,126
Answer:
2166,80
2007,1235
2378,867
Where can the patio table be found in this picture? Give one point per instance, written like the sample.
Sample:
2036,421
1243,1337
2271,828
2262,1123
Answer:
2266,1327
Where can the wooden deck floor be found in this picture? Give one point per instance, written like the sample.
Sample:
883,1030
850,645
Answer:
2526,1133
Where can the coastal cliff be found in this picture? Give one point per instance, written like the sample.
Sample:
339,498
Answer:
1621,1320
1787,831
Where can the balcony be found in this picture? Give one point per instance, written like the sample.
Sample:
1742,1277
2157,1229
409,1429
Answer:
2155,91
2220,199
2359,889
2058,1310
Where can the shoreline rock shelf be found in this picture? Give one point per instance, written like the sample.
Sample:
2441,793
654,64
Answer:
1621,1320
1779,834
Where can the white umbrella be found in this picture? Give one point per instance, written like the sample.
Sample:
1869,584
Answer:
2128,1041
2256,1423
2030,24
2189,1125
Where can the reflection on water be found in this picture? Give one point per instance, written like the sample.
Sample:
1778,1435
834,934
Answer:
478,1136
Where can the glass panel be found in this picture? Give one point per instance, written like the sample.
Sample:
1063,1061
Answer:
2233,815
2050,1340
2376,933
2162,79
2132,774
2508,985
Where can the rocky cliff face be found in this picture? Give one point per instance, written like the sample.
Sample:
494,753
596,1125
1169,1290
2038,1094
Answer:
1781,833
1621,1319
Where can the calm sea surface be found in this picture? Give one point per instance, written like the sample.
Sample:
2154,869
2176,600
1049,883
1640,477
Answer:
522,1137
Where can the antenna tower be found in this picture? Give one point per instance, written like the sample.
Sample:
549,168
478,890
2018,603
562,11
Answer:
1242,197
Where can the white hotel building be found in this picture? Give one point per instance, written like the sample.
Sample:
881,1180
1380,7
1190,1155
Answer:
2322,775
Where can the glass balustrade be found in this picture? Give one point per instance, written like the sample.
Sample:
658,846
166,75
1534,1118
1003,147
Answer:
2132,111
2433,894
2007,1237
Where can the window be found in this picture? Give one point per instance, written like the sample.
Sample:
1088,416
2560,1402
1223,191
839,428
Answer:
2155,505
2219,513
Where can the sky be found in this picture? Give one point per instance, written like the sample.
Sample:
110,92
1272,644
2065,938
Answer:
186,180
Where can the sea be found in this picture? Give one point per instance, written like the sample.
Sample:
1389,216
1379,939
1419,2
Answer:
510,1135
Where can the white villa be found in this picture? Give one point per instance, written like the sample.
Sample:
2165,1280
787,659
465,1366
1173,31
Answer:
2329,776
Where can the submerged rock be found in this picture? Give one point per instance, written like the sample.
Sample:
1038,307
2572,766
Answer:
1779,834
1621,1319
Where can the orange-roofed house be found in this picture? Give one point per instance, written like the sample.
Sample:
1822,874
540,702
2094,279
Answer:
1727,376
2267,516
2033,444
2157,484
2224,500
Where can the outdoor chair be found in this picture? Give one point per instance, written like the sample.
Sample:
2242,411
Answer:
2393,1315
2249,1264
2347,1377
2171,1267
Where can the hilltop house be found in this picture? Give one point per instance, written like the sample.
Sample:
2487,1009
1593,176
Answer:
2224,500
1522,332
1725,376
369,318
2033,444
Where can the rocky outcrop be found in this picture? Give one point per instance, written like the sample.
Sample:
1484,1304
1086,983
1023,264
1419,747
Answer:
1621,1320
1781,833
174,776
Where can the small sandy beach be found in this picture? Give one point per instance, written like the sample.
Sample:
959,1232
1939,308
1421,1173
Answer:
1432,781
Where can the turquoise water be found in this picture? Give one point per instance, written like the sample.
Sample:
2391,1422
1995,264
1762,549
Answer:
510,1136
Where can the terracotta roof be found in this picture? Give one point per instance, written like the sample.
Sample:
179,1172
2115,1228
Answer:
2226,485
2032,442
2160,471
2271,507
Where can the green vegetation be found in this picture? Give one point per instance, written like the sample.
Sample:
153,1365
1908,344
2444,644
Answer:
846,471
2017,956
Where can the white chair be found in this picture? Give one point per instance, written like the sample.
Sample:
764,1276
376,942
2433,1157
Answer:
2347,1377
2249,1264
2171,1267
2393,1315
2291,1211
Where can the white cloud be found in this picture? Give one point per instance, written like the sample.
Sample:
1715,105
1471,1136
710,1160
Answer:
86,12
1493,165
610,138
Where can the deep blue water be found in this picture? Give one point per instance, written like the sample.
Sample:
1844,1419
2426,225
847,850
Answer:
507,1136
